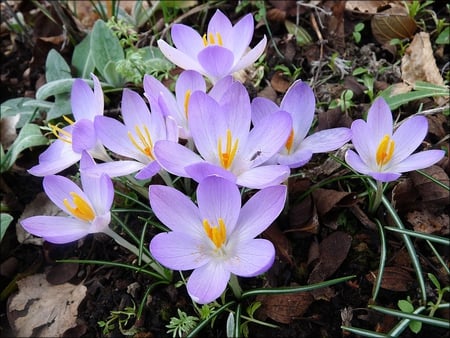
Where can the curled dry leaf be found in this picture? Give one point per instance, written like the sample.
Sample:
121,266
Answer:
430,191
392,23
40,309
327,199
365,6
285,308
281,243
425,221
395,278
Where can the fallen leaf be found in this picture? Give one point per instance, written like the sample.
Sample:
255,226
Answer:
40,309
281,243
395,278
419,64
426,222
392,23
365,6
8,130
61,273
285,308
279,83
430,191
327,199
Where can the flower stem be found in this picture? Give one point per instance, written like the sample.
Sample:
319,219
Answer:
378,196
127,245
234,284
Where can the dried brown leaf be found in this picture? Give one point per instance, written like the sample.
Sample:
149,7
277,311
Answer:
285,308
279,83
61,273
395,278
430,191
327,199
425,221
392,23
40,309
281,243
365,6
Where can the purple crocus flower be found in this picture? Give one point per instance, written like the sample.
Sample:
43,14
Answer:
88,209
217,238
134,138
300,102
79,135
227,147
220,52
383,153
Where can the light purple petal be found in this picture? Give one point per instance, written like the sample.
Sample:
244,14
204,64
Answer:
83,101
83,135
186,39
354,161
113,135
174,157
100,191
149,171
300,102
216,62
175,210
327,140
242,34
408,137
179,58
100,223
260,211
219,23
384,176
56,229
420,160
154,89
219,198
363,142
134,110
98,95
57,157
207,283
263,176
379,120
295,160
268,136
251,258
261,108
199,171
249,58
116,168
59,188
177,251
221,88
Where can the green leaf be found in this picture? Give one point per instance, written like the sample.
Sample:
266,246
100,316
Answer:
55,88
301,35
421,90
444,37
111,75
230,325
60,107
82,59
56,68
16,106
5,221
29,136
105,47
434,280
415,326
405,306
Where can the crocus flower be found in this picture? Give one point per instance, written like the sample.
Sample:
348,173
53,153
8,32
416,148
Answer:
189,81
79,135
88,209
220,52
217,238
135,138
300,102
383,153
227,147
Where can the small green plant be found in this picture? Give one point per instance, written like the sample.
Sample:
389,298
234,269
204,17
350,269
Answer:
432,307
286,71
344,102
181,325
120,318
407,307
357,32
367,80
402,45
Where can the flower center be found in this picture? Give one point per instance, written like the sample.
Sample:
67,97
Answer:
210,40
60,133
226,157
217,234
385,150
145,145
82,209
187,97
290,141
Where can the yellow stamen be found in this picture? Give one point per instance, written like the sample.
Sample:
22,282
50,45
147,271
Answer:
187,97
82,209
217,234
226,157
146,146
68,120
290,141
385,150
60,133
210,40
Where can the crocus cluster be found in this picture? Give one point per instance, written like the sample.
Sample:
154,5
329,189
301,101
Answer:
229,142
